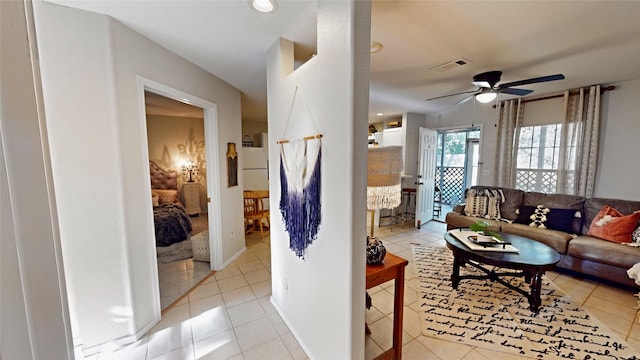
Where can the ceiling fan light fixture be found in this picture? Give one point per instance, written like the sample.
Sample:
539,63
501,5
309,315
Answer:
264,6
486,96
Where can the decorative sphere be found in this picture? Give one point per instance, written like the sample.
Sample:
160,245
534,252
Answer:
375,251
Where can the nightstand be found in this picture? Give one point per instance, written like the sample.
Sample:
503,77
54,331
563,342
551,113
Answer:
191,194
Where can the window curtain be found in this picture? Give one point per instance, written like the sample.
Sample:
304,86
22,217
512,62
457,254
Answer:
579,142
510,114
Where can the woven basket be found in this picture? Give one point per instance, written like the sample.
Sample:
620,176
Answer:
200,246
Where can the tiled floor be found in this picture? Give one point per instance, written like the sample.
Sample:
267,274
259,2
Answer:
230,316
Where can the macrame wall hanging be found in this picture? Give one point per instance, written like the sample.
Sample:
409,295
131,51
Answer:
300,187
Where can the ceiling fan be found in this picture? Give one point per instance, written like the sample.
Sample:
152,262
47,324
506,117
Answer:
487,90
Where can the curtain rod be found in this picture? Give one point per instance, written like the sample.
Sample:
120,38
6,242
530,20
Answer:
317,136
602,90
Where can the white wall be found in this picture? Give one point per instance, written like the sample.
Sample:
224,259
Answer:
616,176
34,318
90,68
324,303
618,171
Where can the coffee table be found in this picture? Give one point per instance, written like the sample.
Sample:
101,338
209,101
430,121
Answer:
531,262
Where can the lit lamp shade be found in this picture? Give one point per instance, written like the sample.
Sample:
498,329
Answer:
383,180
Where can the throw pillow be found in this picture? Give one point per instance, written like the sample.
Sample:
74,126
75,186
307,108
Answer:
156,200
539,217
483,203
167,196
475,204
635,237
555,219
561,219
612,225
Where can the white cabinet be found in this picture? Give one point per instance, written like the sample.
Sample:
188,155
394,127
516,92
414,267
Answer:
191,195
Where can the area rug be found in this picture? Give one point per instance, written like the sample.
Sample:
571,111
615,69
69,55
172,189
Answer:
488,315
174,252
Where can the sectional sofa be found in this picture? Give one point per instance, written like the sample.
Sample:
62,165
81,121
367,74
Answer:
579,251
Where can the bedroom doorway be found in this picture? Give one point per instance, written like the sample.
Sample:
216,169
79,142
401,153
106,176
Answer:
180,141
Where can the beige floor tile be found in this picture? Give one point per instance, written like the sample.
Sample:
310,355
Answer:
247,257
491,354
251,266
238,296
231,283
183,353
246,312
383,301
230,271
372,315
200,306
258,275
371,349
615,323
267,306
445,349
204,290
615,295
221,346
210,322
621,311
382,333
411,322
278,324
415,350
255,333
272,350
262,288
296,351
169,339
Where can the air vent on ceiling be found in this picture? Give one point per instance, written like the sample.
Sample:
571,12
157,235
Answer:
450,65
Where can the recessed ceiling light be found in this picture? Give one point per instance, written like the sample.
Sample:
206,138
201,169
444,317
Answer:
264,6
375,47
380,114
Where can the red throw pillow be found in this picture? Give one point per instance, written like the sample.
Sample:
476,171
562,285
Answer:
610,224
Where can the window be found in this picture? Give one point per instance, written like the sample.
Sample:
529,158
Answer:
538,157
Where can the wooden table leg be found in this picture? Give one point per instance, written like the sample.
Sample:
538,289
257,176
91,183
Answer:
455,275
534,298
398,307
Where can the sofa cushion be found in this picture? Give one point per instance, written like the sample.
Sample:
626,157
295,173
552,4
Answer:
511,203
612,225
608,252
455,220
557,201
553,238
593,206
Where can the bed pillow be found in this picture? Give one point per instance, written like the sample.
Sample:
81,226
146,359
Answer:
612,225
166,196
156,200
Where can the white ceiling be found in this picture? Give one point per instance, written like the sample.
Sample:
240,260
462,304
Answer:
589,42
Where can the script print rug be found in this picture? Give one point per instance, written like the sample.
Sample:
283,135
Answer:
489,315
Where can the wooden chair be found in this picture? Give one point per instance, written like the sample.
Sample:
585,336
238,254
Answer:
254,213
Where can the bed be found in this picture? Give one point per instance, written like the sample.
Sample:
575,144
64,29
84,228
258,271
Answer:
172,224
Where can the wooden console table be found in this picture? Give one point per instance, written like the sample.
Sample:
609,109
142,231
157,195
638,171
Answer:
392,268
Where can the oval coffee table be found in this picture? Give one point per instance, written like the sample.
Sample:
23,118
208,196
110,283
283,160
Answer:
531,261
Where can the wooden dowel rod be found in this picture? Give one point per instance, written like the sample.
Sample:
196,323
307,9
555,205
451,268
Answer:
604,89
317,136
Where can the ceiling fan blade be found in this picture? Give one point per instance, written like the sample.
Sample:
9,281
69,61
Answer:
514,91
481,84
532,81
465,99
444,96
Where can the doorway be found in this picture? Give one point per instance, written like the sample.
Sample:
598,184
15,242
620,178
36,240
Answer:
191,145
457,162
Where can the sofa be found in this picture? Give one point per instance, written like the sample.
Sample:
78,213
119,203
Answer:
579,250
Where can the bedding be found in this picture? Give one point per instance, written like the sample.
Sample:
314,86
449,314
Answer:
172,223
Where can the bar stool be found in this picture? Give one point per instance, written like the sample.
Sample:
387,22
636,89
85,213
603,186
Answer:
408,212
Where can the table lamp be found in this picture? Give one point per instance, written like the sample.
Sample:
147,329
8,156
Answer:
383,180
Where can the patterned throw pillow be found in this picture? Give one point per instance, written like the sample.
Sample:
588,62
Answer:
483,203
539,217
166,196
610,224
635,237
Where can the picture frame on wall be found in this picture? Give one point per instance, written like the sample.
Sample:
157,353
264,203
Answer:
232,165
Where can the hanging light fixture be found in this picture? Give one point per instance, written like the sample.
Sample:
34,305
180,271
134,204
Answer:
486,96
264,6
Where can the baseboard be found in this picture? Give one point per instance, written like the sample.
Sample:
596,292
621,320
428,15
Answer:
119,342
234,257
